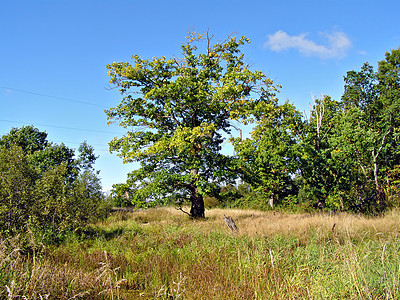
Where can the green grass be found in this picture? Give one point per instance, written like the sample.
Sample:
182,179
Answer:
161,253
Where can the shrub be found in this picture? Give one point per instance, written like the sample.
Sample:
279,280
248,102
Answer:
16,190
45,203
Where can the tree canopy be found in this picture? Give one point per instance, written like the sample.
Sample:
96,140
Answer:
176,112
267,160
345,156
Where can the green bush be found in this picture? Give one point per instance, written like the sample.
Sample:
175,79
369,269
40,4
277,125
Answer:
47,204
17,195
211,202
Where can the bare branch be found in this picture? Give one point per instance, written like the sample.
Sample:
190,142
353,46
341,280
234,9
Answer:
383,142
208,42
181,209
330,127
238,129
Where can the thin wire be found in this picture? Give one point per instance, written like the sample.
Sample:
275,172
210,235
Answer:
55,97
62,127
78,143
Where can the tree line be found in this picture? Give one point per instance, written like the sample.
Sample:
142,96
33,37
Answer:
46,190
178,112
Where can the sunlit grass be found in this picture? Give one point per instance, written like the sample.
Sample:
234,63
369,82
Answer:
161,253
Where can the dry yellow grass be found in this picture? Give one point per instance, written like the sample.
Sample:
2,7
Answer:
257,223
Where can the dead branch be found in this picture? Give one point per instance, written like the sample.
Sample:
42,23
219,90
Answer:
230,223
181,209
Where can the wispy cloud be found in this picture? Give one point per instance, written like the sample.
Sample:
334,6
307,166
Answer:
336,47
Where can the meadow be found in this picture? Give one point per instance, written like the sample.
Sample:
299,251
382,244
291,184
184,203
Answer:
161,253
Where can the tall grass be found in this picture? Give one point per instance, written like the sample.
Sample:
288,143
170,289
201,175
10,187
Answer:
161,253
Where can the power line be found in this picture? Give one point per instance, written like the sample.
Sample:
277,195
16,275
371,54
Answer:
55,97
78,143
62,127
103,147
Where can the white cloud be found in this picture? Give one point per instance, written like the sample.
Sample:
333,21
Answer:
337,44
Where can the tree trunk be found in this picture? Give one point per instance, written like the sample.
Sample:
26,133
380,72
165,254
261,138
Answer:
197,209
341,202
376,180
271,200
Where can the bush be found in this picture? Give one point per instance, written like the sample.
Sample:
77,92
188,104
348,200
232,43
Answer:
16,190
211,202
45,203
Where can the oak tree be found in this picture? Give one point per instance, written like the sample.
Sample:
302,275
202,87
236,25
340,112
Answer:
176,112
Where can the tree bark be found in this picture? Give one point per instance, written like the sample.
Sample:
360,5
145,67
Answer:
271,200
197,209
376,180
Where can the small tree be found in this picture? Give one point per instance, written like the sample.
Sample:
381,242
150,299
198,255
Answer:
268,160
323,175
17,183
175,112
43,187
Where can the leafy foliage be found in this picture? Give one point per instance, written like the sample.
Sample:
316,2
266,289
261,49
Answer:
370,128
43,188
268,159
178,110
323,175
17,182
345,156
29,138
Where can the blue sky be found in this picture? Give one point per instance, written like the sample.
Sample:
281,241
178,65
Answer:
53,54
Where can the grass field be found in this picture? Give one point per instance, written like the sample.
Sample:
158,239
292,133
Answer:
161,253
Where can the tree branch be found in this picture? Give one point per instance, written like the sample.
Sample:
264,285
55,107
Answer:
180,208
383,142
330,127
